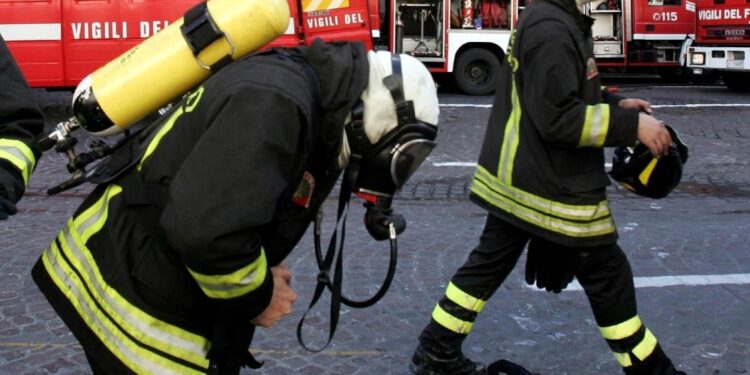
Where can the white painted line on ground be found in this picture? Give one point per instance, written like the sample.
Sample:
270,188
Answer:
474,164
467,105
455,164
697,105
683,280
708,105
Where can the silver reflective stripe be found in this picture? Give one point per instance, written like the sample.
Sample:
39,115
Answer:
595,125
130,322
77,298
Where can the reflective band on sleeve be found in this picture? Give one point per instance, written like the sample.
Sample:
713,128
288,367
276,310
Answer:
646,346
646,174
620,331
451,322
20,155
595,126
235,284
463,299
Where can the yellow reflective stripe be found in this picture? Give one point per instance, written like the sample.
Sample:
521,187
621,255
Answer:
171,339
135,357
464,299
20,155
137,323
159,135
562,210
451,322
646,346
547,206
623,359
510,138
542,220
190,102
646,173
92,219
235,284
595,126
620,331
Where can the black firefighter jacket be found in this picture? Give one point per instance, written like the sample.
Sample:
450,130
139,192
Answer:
21,121
541,166
173,256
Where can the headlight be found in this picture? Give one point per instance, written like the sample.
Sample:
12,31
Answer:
697,58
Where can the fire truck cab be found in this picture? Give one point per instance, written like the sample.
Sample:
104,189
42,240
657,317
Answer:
722,43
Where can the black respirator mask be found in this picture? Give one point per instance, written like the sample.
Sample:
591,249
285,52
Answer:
382,168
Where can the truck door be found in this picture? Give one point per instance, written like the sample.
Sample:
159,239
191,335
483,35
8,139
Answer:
337,20
31,28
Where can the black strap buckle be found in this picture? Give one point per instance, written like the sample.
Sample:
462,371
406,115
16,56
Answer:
200,31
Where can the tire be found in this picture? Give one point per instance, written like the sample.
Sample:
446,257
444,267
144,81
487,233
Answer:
736,81
476,71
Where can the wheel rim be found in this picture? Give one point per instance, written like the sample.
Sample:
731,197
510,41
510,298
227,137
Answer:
477,73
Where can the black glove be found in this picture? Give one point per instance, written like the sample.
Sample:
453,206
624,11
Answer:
550,265
230,344
11,189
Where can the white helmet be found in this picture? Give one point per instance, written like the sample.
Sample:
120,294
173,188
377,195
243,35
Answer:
392,129
378,111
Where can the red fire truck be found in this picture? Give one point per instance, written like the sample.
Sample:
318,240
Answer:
59,42
722,43
634,35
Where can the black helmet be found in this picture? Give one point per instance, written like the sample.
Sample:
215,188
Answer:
639,171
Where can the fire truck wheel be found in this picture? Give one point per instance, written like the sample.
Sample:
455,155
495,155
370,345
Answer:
736,81
476,71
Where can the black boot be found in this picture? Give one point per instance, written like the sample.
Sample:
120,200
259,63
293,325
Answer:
426,362
657,363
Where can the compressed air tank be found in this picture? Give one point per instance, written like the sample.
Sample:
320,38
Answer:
168,64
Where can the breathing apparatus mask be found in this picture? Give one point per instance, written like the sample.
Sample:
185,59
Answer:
390,134
381,168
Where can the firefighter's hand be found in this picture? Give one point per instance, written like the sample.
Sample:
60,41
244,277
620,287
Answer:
653,134
282,299
638,104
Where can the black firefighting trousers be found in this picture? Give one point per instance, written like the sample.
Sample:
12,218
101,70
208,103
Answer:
603,272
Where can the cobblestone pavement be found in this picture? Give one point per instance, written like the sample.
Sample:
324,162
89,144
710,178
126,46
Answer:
701,229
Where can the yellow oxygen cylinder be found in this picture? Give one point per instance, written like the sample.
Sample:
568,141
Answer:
168,64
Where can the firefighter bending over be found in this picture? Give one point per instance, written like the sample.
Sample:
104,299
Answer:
176,256
541,177
21,121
